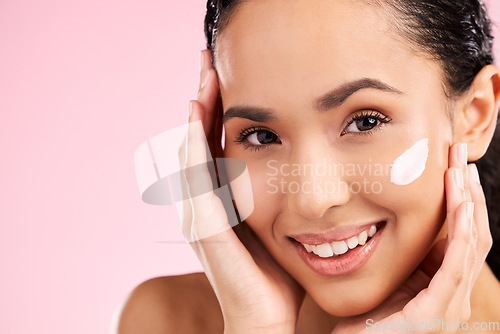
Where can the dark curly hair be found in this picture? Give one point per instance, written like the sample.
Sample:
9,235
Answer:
456,33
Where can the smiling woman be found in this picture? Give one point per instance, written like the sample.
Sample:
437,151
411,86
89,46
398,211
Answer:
406,85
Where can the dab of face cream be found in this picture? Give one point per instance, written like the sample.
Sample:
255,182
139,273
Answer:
411,164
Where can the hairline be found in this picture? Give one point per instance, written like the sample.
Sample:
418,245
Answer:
398,32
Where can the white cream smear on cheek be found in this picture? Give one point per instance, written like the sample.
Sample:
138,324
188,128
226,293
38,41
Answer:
411,164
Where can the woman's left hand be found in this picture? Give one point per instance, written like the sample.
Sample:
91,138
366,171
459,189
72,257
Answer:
436,298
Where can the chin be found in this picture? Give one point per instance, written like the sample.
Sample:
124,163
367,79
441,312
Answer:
351,304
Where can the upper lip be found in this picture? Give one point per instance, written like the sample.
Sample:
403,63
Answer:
337,234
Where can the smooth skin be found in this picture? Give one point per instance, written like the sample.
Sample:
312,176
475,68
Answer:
294,56
188,302
247,290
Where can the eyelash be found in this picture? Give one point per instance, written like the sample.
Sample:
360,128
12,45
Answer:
244,133
383,119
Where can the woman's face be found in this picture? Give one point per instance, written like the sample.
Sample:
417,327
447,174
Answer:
320,98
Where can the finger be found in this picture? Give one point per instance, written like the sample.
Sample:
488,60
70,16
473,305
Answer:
482,227
208,96
455,194
208,93
458,155
217,132
458,158
208,216
195,149
485,240
455,191
221,253
223,256
481,235
192,151
452,277
210,99
189,157
204,65
460,304
212,117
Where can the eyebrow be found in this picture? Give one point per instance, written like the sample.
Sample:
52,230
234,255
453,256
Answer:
328,101
339,95
256,114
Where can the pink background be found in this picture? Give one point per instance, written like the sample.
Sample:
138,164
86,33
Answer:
82,85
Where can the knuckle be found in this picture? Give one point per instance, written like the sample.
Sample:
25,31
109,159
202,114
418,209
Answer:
475,235
457,277
489,242
465,240
484,246
468,235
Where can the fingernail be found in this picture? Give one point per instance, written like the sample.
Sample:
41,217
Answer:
470,210
462,153
475,174
459,178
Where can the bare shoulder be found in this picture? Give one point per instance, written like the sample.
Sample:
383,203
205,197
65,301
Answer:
172,304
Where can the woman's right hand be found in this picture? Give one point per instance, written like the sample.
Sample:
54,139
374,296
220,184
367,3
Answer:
255,294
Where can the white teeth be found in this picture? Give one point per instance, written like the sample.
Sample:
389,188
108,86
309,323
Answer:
324,250
362,237
352,242
339,247
372,231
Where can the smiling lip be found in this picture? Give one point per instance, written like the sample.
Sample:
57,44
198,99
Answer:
339,233
341,264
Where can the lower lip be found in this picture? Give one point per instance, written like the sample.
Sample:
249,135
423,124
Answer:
343,264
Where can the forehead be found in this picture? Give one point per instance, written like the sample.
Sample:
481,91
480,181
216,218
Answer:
273,45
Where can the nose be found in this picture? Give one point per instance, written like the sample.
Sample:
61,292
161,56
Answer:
316,185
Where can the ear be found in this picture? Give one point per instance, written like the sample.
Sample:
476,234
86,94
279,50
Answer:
476,116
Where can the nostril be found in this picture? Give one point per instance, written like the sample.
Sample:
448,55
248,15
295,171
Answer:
306,208
313,201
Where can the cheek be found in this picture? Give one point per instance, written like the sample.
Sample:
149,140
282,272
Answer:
410,165
417,207
416,213
266,197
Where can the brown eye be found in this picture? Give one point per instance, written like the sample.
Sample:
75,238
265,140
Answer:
366,122
262,137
